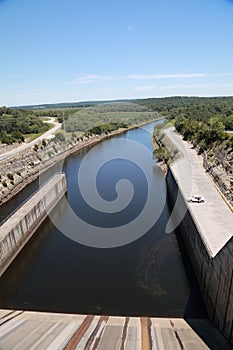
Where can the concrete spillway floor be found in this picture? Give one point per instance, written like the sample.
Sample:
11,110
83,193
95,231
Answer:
39,330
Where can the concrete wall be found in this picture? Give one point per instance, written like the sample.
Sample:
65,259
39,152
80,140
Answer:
214,274
19,228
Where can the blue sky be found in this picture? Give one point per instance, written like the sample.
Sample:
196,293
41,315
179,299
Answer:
77,50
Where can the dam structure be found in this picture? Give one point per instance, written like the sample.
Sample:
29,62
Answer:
21,225
52,331
21,329
206,230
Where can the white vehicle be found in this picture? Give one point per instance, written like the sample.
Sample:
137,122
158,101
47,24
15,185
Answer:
196,199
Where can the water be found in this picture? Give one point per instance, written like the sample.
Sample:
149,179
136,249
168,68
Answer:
145,277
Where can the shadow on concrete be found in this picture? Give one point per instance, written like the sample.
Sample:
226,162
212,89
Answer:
209,334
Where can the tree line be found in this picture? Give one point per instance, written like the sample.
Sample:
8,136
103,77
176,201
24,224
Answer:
199,108
201,120
16,123
105,128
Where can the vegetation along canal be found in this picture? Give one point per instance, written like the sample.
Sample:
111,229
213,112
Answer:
144,277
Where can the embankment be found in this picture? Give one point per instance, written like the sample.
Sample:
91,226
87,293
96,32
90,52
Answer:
214,270
18,229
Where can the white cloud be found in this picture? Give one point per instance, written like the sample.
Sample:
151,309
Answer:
195,86
165,76
223,74
184,86
89,77
92,78
145,88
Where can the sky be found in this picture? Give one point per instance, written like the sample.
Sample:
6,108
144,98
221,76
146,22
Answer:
55,51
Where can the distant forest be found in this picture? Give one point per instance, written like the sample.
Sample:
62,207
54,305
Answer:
197,108
202,120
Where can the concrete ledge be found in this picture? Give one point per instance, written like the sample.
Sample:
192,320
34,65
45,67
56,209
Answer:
18,229
36,330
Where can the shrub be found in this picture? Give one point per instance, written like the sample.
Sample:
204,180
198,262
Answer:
59,137
17,136
7,139
10,176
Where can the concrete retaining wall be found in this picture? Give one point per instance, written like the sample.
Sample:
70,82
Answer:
19,228
214,274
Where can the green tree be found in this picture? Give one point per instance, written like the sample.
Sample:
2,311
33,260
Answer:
228,122
59,137
17,136
216,131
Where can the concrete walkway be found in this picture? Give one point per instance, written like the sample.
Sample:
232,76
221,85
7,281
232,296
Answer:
214,217
36,330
